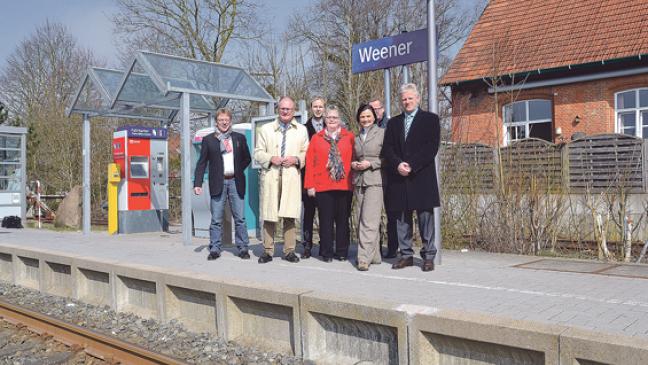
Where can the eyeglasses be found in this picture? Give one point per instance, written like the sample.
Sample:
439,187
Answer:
285,109
332,117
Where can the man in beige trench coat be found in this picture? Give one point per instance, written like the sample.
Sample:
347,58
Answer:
281,151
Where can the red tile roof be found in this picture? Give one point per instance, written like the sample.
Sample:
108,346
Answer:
515,36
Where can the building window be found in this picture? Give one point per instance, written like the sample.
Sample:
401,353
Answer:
10,163
528,118
632,112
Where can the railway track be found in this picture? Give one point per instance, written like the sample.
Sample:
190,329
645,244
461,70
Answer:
106,348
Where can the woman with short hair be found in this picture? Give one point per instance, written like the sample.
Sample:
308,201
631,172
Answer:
328,170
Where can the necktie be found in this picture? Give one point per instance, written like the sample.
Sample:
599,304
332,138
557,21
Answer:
228,145
283,140
363,134
408,123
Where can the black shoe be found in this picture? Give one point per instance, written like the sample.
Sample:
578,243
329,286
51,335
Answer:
307,253
244,255
327,259
340,258
213,256
291,257
265,258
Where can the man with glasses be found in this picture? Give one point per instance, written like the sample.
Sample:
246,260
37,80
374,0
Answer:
281,151
378,107
392,237
228,156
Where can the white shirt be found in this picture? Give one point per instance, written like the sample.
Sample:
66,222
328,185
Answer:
228,163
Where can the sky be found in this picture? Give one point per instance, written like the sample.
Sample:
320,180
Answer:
89,22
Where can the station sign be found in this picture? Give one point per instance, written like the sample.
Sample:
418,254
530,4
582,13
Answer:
144,132
401,49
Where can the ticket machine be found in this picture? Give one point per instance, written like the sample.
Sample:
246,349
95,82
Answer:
143,198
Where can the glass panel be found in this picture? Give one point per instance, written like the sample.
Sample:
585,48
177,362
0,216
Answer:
519,111
626,100
508,113
539,109
516,132
9,142
627,123
9,184
139,167
9,156
541,131
208,77
643,98
9,170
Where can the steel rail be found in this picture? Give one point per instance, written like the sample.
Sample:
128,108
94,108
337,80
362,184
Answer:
93,343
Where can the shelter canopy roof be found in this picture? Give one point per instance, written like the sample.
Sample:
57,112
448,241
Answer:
151,87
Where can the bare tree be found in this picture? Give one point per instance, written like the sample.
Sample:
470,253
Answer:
199,29
37,84
331,27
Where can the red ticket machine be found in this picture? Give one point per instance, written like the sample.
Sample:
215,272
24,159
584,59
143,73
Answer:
143,202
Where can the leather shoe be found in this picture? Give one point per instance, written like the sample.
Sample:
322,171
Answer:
403,262
265,258
213,256
291,257
340,258
327,259
307,253
428,265
244,255
363,266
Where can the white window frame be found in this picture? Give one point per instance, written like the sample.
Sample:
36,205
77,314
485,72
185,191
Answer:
526,123
638,110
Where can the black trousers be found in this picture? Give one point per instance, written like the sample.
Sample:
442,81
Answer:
334,209
392,233
310,205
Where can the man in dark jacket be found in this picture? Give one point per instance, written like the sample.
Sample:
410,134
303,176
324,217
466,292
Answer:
409,148
314,124
228,156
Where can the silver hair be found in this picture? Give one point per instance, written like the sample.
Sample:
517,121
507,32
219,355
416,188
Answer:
408,88
331,108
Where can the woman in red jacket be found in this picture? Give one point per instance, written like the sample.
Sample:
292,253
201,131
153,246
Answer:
328,170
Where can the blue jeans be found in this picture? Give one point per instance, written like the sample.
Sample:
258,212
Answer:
237,207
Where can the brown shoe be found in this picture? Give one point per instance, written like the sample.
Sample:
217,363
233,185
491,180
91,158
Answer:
428,265
404,262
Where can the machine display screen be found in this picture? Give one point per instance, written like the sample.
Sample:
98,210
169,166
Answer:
139,167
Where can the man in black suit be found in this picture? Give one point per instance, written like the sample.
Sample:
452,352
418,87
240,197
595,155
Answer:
228,156
392,216
314,124
409,148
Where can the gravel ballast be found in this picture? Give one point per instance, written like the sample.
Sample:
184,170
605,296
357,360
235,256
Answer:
170,338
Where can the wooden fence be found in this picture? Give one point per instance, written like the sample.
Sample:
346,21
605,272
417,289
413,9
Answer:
607,162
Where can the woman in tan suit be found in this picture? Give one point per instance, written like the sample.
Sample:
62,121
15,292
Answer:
367,181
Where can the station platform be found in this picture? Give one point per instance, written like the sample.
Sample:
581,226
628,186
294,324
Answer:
471,295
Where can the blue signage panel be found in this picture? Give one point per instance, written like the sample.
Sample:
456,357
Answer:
144,132
402,49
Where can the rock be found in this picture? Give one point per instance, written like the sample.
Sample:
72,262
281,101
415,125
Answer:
68,213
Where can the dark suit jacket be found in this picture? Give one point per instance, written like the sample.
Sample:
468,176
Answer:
210,151
311,132
419,190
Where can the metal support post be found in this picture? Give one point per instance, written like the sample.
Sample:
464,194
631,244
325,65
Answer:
387,94
186,168
434,107
212,120
86,175
405,74
302,110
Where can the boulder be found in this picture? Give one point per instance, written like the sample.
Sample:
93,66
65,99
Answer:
69,211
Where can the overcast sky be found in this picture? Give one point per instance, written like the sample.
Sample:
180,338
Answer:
89,21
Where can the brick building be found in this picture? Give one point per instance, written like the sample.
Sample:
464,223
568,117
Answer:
551,68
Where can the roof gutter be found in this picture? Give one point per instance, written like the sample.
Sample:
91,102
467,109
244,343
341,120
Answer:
569,80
